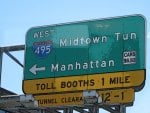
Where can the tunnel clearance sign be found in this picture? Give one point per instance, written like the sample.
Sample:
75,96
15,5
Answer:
84,48
112,97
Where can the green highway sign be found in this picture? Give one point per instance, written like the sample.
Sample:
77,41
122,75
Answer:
88,47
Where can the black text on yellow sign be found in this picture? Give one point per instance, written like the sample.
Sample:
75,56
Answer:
86,82
112,97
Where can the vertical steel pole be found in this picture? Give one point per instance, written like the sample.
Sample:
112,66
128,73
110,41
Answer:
122,109
68,110
1,58
42,111
94,109
91,110
65,110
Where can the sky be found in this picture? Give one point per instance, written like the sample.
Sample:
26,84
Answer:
17,17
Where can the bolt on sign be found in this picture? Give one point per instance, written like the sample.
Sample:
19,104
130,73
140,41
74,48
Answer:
113,97
107,53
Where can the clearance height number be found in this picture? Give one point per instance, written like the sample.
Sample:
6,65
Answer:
89,82
108,97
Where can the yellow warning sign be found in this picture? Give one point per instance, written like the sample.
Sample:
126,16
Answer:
85,82
74,99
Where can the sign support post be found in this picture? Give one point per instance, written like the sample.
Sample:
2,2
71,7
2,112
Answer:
122,109
69,110
95,109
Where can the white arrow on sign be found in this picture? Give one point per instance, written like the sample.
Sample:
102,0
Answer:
34,69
